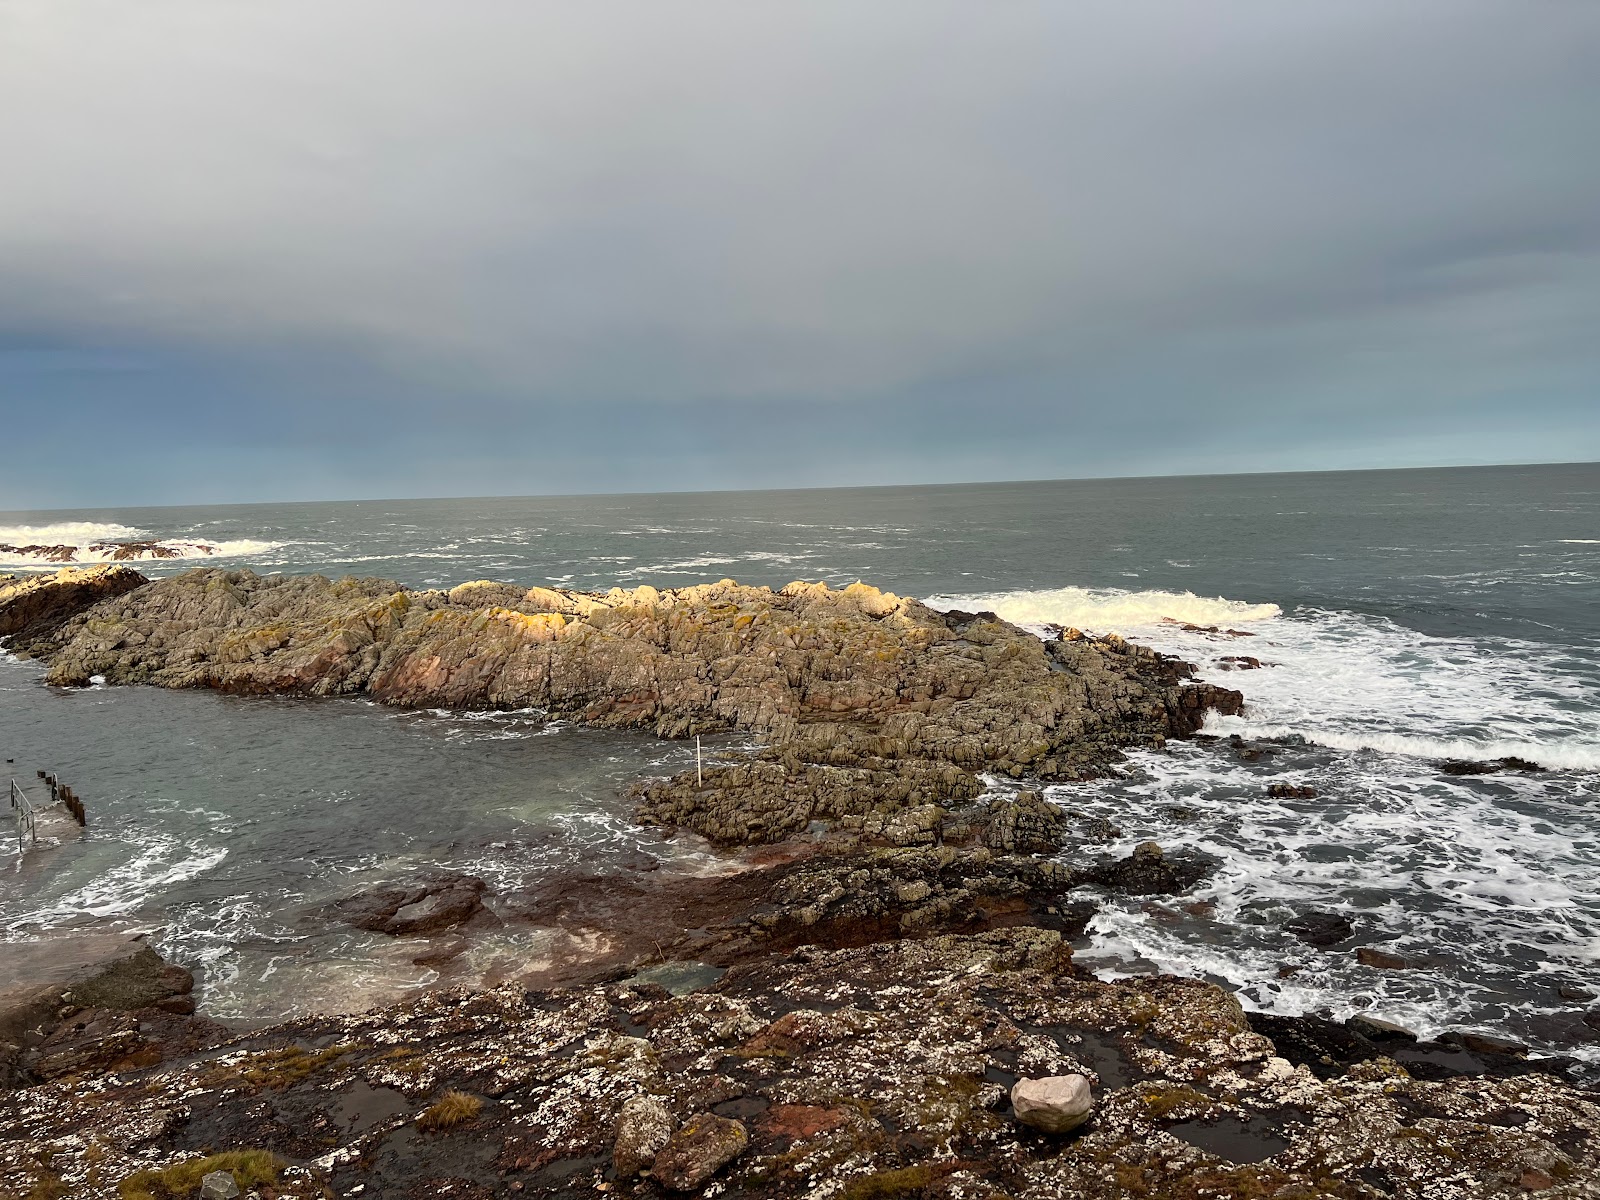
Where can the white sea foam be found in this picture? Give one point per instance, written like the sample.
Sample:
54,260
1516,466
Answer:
73,533
1104,610
102,542
1350,681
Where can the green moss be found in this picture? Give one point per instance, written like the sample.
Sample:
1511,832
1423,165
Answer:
1164,1101
249,1168
273,1068
885,1185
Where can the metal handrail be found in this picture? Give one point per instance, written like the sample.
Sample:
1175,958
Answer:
26,819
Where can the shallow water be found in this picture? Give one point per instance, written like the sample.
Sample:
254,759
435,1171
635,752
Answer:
1401,617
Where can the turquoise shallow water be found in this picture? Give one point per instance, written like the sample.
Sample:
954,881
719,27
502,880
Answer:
1404,617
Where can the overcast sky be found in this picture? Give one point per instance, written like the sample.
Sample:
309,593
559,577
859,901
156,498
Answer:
282,249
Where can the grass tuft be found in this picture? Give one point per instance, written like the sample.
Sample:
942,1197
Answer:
180,1181
450,1110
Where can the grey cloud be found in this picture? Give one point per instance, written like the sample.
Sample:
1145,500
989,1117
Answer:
1263,205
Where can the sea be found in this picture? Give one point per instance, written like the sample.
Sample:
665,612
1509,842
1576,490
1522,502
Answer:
1403,620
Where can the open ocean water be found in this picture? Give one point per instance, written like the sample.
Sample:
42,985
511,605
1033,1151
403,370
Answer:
1402,618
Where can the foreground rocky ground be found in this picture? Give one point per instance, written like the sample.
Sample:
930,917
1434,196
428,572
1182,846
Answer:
865,994
876,1071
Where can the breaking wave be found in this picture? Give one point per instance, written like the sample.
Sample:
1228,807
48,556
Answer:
1350,681
72,542
1103,610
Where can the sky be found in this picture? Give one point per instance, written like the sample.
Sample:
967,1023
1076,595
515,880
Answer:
356,248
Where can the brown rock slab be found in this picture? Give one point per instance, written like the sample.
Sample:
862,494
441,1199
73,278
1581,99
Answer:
703,1146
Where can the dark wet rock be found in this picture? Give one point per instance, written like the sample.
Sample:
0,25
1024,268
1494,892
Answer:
1371,956
1330,1050
1148,871
1484,1043
1375,1029
1571,991
1321,928
1027,824
34,607
1291,791
703,1146
423,907
1460,766
644,1126
895,893
1239,662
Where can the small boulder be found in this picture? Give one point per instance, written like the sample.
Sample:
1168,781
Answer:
700,1149
643,1127
1054,1104
218,1185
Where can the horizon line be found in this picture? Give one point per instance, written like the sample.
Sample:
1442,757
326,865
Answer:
844,487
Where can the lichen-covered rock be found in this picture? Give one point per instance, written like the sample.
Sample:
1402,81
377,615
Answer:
843,1070
872,707
644,1126
1027,824
34,607
703,1146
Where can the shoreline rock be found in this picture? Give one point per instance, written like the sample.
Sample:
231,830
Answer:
874,711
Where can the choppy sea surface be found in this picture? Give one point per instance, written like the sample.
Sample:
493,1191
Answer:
1402,619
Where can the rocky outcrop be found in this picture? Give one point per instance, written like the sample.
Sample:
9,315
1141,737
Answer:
874,710
422,907
34,607
880,1071
66,1003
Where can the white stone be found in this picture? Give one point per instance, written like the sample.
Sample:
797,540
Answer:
1054,1104
218,1185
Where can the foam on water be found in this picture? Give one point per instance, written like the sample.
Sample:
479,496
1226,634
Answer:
1107,609
1484,882
1351,681
69,542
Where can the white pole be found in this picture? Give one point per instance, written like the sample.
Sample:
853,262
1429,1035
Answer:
699,773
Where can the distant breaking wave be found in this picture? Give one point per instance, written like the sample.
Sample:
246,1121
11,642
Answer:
1344,680
1105,610
71,542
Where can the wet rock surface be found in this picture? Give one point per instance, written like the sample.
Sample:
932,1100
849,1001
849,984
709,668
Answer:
880,1070
426,906
1148,871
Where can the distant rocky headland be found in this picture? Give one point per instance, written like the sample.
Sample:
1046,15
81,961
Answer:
881,1003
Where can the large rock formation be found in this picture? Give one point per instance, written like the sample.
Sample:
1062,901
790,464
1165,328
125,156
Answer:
33,607
870,706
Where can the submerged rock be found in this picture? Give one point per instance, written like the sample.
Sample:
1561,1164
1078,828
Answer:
1322,928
